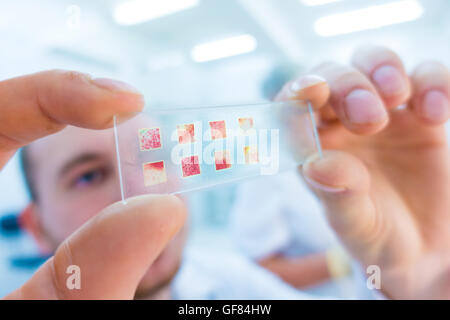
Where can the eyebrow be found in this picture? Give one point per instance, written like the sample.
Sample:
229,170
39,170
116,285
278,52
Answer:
85,157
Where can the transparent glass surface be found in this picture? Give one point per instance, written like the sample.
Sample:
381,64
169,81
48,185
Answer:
179,150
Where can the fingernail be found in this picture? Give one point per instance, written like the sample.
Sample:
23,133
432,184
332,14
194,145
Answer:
389,81
114,85
436,106
318,162
319,186
305,82
362,106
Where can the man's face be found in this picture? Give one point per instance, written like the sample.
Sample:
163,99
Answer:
75,176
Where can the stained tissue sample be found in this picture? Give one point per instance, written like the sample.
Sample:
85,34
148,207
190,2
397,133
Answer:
218,130
186,133
154,173
149,139
245,124
222,159
190,166
251,154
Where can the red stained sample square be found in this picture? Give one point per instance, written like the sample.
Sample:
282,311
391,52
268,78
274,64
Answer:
154,173
222,160
245,124
251,154
149,139
186,133
218,129
190,166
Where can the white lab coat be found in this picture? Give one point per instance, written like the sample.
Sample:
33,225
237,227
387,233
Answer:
279,215
215,274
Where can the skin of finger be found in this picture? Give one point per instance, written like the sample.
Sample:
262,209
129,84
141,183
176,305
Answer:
370,218
40,104
4,157
317,94
113,251
369,58
349,208
430,75
338,170
342,80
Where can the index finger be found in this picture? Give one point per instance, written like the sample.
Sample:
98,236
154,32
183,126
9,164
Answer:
43,103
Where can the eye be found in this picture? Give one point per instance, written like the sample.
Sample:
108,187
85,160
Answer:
89,178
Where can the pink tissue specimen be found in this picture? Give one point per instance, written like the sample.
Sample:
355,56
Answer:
218,130
149,139
245,124
190,166
222,159
154,173
186,133
251,154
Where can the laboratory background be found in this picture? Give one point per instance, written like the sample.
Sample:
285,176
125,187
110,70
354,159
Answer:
185,53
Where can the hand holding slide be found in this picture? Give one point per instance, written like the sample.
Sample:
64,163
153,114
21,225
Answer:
37,105
385,178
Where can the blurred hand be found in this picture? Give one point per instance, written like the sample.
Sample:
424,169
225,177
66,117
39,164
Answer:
115,248
387,190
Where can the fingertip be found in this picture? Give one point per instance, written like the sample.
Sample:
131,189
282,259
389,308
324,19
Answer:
127,100
311,87
169,208
156,200
434,109
122,105
431,100
114,85
134,232
76,98
107,103
174,206
335,173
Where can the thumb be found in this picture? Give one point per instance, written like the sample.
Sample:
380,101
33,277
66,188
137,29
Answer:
113,251
342,182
